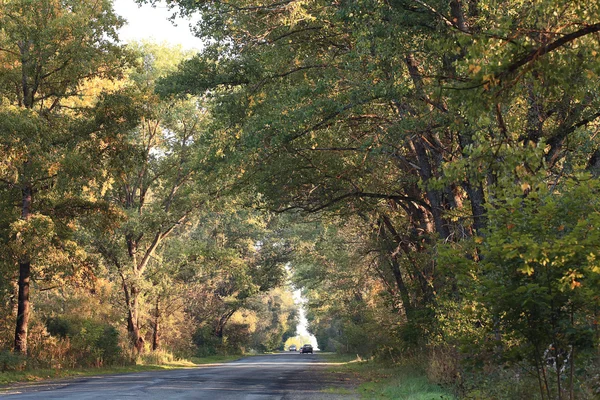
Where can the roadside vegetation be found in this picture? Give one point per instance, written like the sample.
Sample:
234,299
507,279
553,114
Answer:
374,379
427,172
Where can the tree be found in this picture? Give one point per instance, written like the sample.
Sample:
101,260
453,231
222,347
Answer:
49,50
417,120
540,277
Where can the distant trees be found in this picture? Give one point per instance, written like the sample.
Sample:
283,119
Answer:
240,268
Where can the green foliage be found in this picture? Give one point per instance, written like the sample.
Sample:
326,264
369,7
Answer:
449,137
10,361
89,342
436,150
540,275
206,341
56,60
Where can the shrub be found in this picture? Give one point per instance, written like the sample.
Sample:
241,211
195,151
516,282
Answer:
156,357
10,361
88,342
206,342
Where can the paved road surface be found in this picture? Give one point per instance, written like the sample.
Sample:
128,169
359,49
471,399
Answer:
285,376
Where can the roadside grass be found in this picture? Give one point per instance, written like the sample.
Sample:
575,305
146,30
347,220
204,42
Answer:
336,358
336,390
35,375
377,380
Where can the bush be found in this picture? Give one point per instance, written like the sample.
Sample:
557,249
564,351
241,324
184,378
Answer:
87,342
10,361
206,342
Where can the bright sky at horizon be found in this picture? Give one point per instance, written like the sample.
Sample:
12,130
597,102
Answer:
151,23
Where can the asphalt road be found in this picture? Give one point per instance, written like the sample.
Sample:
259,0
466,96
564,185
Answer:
286,376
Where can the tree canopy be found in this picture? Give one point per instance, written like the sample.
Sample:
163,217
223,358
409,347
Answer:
425,171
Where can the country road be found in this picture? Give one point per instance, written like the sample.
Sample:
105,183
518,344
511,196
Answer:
286,376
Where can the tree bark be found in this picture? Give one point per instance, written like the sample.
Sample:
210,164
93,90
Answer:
23,306
395,267
156,331
133,319
434,196
131,301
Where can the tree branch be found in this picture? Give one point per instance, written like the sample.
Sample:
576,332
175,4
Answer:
358,194
540,51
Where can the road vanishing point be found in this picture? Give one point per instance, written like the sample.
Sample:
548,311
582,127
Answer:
286,376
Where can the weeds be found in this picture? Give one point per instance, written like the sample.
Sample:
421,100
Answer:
407,381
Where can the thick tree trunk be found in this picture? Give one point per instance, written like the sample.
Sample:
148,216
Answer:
23,306
131,300
133,326
477,200
434,196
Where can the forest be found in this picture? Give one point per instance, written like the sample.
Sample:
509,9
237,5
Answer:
426,172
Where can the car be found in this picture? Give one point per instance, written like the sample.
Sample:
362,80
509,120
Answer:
292,348
307,348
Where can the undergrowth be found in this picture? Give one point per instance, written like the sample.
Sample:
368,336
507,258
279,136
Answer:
382,380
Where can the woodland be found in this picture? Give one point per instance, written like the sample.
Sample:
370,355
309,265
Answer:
426,172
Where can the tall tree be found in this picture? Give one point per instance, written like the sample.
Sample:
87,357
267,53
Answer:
48,50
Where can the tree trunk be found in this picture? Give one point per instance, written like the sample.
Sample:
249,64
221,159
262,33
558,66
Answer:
156,332
395,266
222,322
434,196
23,306
477,199
133,320
131,299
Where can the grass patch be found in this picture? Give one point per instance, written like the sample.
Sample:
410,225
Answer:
338,358
35,375
384,381
407,387
337,390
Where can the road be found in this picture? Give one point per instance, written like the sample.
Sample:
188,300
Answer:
285,376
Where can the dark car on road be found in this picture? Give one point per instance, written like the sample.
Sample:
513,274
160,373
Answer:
292,348
307,348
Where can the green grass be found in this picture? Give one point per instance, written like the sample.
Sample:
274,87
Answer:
34,375
335,358
333,390
406,387
384,381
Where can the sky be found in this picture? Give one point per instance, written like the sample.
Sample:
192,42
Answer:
152,23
